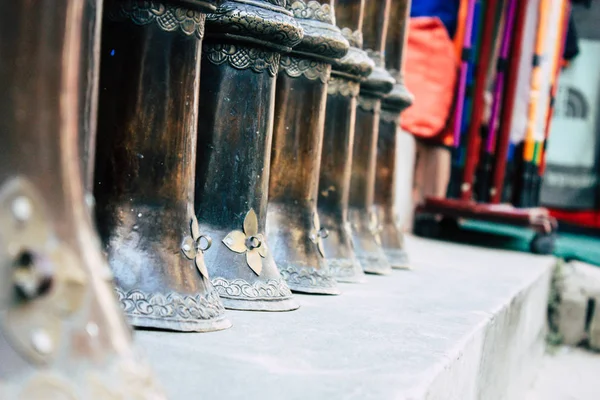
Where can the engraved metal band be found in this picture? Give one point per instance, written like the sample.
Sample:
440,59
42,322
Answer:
355,38
390,116
311,69
377,57
242,57
306,277
272,289
341,268
168,17
343,87
171,306
312,10
369,103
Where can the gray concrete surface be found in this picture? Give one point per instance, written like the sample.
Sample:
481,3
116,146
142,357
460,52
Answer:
465,323
579,287
569,374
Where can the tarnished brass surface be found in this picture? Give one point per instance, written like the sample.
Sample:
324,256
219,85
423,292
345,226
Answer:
237,93
375,27
62,335
145,165
365,225
293,225
88,80
392,238
336,163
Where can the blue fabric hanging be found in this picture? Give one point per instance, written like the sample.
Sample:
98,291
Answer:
445,10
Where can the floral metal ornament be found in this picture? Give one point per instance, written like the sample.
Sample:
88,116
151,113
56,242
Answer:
375,227
248,242
318,234
42,283
193,247
168,17
313,10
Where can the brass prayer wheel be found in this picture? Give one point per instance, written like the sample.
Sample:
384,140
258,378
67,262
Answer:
62,335
363,218
145,164
293,226
392,237
240,61
336,166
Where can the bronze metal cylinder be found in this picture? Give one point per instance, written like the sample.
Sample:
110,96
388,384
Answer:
89,77
235,127
293,225
338,138
145,165
392,237
363,219
61,332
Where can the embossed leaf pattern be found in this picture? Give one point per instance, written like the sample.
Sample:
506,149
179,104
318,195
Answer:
375,227
251,223
236,241
69,294
262,249
200,264
320,247
191,247
194,228
315,236
254,260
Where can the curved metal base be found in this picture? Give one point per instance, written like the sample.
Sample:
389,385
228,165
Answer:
260,305
367,243
398,258
309,280
272,295
213,325
173,311
346,270
374,263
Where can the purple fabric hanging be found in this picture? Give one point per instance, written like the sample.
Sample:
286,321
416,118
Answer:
464,65
499,83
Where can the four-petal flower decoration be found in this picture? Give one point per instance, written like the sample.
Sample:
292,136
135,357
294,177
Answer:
193,247
375,227
42,280
318,234
248,242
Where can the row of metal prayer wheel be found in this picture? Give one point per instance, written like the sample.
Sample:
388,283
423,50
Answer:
229,151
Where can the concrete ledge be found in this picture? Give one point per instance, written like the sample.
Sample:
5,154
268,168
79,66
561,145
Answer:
466,323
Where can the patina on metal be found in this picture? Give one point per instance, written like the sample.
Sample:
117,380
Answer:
338,138
244,40
392,237
89,77
62,335
364,223
145,165
293,225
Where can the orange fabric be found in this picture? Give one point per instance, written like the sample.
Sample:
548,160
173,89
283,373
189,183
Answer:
430,74
446,138
459,37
